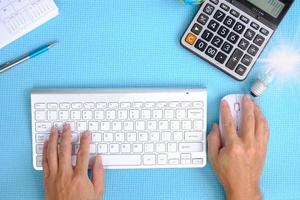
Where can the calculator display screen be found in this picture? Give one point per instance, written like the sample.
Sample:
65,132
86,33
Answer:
272,7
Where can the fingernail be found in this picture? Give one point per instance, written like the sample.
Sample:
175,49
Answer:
66,126
99,159
85,134
248,97
224,103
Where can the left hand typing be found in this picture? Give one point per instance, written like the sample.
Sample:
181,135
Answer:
62,181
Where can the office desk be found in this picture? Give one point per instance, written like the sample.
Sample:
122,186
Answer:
136,44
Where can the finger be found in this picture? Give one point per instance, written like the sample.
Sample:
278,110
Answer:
98,176
248,120
52,156
261,125
82,162
228,128
214,143
65,150
45,160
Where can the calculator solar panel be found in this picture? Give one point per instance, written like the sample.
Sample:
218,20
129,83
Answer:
226,37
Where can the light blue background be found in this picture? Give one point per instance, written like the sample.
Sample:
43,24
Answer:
136,44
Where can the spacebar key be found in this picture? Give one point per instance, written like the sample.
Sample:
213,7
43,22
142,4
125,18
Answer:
121,160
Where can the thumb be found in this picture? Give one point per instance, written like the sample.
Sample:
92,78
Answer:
98,176
214,143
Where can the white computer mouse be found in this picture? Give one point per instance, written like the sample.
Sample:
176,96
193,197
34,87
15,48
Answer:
235,104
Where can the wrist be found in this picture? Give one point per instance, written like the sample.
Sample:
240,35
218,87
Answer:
249,193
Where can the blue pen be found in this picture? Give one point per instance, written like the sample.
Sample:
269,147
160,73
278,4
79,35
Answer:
28,56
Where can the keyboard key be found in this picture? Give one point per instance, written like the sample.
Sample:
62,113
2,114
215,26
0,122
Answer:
160,147
102,148
224,7
201,45
216,2
175,125
244,44
39,160
198,161
146,114
116,126
162,159
75,114
234,59
120,137
101,105
172,147
76,105
253,50
239,28
81,126
163,125
219,16
169,114
43,127
52,105
213,25
40,115
131,137
134,114
111,114
259,40
39,148
209,9
198,124
186,125
114,148
122,114
166,136
121,160
196,29
229,21
202,19
149,148
180,114
221,57
125,148
157,114
207,35
217,41
254,25
247,60
113,105
108,137
173,161
234,13
249,34
40,106
41,138
190,39
195,113
152,125
191,147
64,106
154,136
232,37
96,137
193,136
93,149
227,47
93,126
149,159
244,19
223,31
87,115
105,126
240,70
210,51
264,31
99,114
178,136
143,136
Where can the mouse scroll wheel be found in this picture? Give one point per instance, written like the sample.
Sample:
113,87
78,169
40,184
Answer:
237,107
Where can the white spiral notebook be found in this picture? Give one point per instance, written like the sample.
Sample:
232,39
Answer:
18,17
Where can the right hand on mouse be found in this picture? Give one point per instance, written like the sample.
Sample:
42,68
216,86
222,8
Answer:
239,162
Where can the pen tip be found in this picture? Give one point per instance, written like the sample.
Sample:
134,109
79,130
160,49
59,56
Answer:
52,44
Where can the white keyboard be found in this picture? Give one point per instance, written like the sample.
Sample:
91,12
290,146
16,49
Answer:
132,128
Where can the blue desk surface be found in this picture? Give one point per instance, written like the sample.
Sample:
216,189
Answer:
136,44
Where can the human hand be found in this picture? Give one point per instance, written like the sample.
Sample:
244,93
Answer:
239,162
62,181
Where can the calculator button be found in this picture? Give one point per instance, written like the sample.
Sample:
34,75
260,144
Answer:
240,70
215,1
221,57
254,25
208,9
227,47
201,45
264,31
253,50
217,41
190,39
247,60
224,7
234,13
232,37
202,19
210,51
219,15
239,28
234,59
259,40
207,35
244,44
229,21
223,31
244,19
196,29
213,25
249,34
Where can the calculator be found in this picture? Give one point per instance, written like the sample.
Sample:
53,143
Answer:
231,34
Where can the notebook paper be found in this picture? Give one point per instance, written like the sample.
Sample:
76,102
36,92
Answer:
18,17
